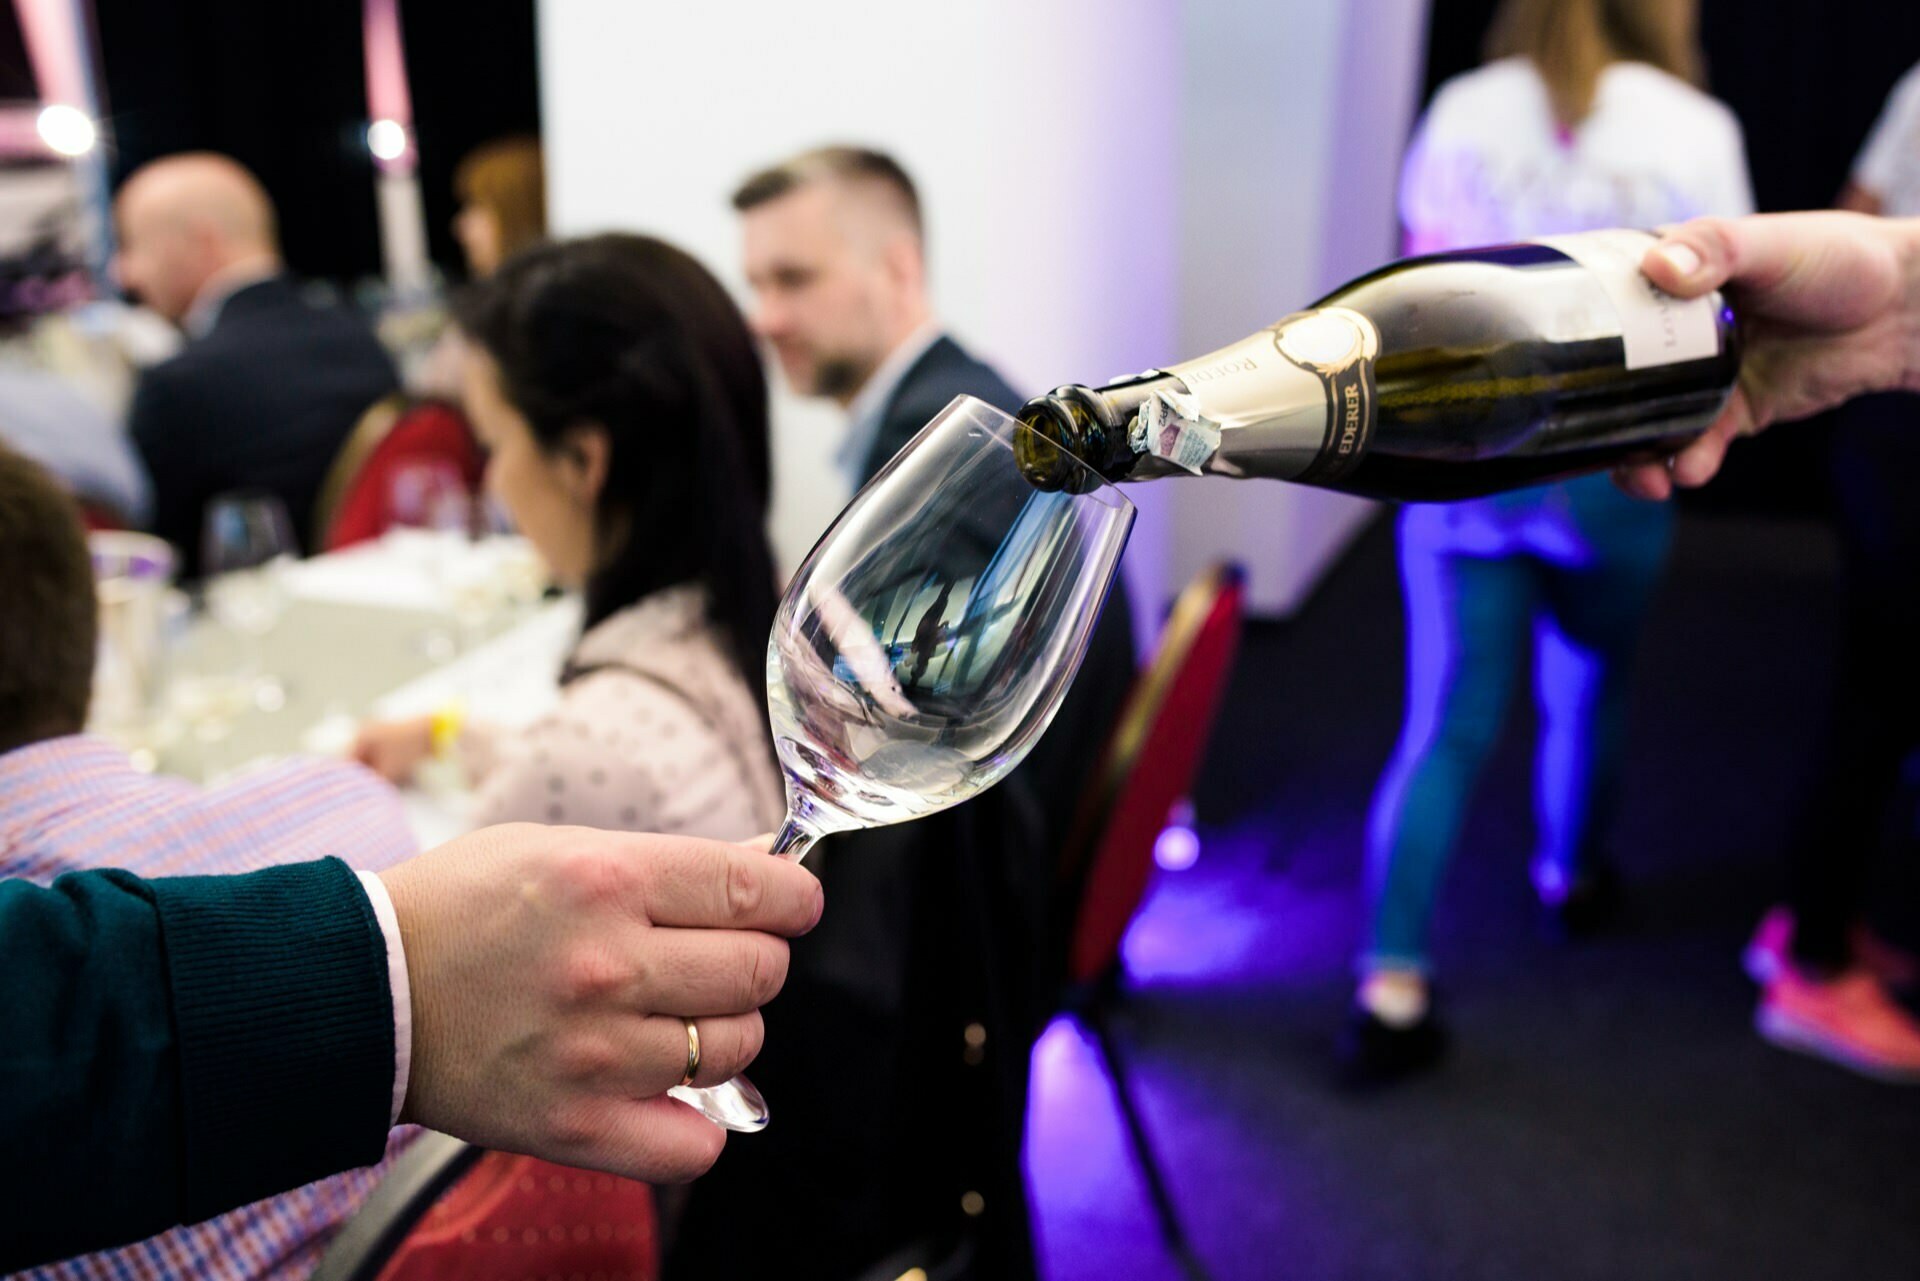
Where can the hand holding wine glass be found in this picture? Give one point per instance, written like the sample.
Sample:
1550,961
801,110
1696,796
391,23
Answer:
927,642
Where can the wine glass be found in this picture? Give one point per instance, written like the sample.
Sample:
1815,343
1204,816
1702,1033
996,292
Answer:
927,642
247,540
430,494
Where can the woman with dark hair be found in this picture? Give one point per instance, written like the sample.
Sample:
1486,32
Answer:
619,396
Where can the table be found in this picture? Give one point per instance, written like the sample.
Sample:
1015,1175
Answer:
374,631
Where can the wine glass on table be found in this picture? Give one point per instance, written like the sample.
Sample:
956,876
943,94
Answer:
927,641
247,542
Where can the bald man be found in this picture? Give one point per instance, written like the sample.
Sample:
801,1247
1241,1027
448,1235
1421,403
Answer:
269,385
934,961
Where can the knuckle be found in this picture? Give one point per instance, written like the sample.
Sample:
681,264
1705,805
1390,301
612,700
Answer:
585,1058
1715,239
745,889
751,1037
588,975
768,972
587,878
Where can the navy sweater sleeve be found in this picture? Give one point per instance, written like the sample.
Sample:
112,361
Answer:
173,1048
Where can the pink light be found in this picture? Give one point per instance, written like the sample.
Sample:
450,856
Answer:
388,98
52,35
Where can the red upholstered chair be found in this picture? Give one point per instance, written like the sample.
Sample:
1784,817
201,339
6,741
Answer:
355,502
449,1212
1148,767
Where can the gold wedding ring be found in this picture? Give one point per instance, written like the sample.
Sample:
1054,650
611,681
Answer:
693,1051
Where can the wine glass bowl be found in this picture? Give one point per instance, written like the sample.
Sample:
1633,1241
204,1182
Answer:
928,639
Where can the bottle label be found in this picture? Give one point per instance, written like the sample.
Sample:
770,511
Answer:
1338,346
1657,328
1294,402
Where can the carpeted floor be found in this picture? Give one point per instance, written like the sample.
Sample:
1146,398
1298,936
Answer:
1607,1111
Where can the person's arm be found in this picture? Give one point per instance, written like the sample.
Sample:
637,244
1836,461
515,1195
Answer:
177,1047
1829,307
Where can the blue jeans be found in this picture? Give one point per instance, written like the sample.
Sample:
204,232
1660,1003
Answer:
1572,566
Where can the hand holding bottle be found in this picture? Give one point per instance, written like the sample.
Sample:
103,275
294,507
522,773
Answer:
1829,307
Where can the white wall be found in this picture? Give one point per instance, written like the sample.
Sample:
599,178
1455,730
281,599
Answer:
1110,184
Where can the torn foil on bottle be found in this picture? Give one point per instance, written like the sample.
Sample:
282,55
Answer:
1162,428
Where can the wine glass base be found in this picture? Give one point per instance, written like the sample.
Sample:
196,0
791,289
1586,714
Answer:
732,1105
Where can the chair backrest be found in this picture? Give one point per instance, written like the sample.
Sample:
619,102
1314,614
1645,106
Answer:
446,1211
1148,766
371,428
354,503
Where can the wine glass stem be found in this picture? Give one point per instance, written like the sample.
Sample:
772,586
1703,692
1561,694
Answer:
794,840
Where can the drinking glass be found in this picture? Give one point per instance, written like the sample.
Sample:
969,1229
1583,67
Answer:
247,540
927,641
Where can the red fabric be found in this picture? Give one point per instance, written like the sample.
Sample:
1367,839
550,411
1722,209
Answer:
430,431
1161,775
514,1217
99,519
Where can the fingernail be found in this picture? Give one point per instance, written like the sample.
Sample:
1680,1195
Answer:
1681,257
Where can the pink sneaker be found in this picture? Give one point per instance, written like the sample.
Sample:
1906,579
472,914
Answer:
1849,1021
1766,952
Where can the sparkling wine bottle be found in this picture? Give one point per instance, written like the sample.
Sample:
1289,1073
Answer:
1443,377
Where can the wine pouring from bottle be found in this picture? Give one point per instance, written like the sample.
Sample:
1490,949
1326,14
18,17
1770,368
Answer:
1442,377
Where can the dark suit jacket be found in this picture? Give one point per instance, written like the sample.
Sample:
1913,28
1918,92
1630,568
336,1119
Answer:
263,401
173,1048
886,1115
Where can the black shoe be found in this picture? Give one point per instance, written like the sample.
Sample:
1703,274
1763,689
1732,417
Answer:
1590,904
1373,1052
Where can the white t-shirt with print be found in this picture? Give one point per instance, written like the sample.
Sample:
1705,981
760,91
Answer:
1889,165
1489,163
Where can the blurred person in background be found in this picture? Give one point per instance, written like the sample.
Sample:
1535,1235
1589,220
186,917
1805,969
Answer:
1585,116
502,190
620,398
64,384
939,936
43,416
269,385
1827,980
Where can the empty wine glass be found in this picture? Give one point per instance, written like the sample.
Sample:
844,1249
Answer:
248,539
430,494
927,641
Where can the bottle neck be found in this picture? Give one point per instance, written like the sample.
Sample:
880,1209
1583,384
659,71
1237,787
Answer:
1073,427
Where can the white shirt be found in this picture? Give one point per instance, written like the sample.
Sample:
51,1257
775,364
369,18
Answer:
1889,163
1489,163
869,408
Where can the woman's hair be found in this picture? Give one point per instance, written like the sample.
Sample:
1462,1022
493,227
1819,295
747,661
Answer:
1571,42
507,178
628,334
